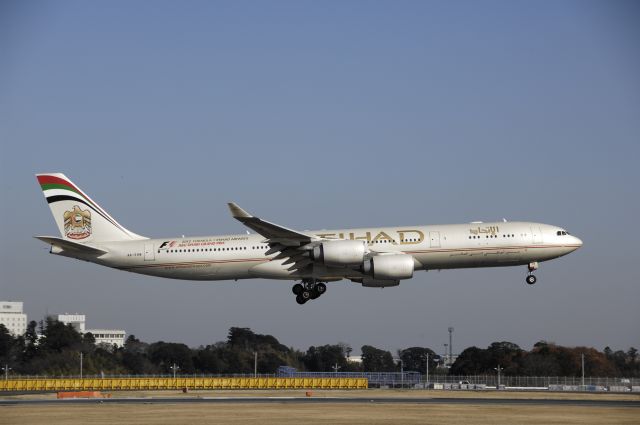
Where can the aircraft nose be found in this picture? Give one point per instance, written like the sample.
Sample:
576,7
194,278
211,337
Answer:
577,242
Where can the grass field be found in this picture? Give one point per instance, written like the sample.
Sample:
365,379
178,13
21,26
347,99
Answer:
326,413
315,414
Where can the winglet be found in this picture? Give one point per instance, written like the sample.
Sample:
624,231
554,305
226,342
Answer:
238,212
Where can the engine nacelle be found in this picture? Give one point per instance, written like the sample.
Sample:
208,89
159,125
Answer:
340,253
389,267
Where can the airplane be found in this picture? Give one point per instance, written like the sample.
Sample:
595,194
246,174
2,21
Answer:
375,257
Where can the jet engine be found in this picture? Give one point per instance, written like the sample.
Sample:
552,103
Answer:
389,267
342,253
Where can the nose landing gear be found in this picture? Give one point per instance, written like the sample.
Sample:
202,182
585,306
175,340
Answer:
531,278
308,290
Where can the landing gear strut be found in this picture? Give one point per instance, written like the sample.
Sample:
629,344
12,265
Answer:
531,278
308,290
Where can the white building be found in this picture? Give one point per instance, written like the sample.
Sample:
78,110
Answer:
75,320
12,317
102,336
108,336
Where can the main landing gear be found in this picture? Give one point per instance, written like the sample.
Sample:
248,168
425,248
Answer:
308,290
531,278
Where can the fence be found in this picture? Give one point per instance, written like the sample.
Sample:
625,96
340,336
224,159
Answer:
376,379
532,381
409,379
169,383
319,380
415,380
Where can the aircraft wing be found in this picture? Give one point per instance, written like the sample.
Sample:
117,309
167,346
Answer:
272,232
291,245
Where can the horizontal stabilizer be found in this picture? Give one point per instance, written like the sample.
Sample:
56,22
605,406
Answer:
70,246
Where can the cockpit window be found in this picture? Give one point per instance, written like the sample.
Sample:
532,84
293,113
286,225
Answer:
562,233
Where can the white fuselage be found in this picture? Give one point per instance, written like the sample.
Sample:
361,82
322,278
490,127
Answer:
432,247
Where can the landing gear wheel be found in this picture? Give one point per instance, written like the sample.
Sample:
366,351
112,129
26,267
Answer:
308,289
531,279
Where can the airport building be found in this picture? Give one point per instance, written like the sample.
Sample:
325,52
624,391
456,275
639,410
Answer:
12,317
102,336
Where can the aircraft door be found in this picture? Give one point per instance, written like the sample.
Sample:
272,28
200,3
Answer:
434,239
536,234
149,252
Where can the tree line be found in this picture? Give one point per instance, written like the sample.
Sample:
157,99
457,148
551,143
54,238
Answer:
55,350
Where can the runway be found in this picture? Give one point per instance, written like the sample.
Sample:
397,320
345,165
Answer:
328,400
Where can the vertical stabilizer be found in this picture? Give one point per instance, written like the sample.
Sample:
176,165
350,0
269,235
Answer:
78,217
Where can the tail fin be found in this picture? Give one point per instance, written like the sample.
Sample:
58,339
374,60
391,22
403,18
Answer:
78,217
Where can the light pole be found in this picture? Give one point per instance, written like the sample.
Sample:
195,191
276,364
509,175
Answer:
174,368
81,355
446,354
582,358
450,344
255,364
335,368
498,369
427,370
6,369
402,373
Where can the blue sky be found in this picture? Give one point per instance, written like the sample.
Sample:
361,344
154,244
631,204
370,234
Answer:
324,115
